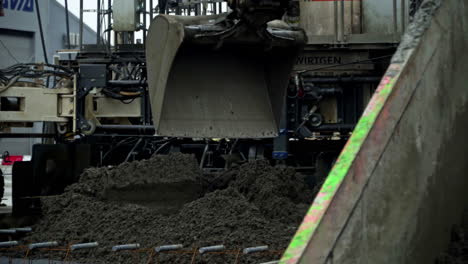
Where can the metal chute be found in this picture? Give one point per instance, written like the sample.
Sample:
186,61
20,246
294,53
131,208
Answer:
213,76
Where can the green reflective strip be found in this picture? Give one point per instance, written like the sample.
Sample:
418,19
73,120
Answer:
338,173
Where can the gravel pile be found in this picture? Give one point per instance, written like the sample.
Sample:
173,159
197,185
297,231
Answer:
251,205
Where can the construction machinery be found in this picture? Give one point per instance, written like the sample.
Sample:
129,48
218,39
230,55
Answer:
239,86
228,81
231,82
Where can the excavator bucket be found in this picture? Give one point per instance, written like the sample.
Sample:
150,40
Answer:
209,80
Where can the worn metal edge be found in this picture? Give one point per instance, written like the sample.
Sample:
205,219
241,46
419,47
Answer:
340,170
344,163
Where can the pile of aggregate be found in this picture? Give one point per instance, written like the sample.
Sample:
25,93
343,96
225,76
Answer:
251,205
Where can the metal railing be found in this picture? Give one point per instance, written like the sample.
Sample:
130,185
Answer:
395,19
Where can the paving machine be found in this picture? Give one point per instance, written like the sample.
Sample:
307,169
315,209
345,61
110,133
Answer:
230,82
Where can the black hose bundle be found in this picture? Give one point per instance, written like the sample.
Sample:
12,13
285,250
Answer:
26,71
121,95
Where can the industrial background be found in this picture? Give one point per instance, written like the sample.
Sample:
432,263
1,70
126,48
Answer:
21,43
238,131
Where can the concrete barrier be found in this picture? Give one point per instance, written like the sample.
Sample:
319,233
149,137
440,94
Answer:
400,183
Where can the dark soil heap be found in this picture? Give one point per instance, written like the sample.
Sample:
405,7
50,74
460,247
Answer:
457,252
251,205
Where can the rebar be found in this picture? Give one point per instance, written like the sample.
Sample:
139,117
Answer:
255,249
125,247
23,229
8,244
84,246
43,245
166,248
7,231
210,249
177,249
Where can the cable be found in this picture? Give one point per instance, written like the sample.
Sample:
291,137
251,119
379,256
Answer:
12,81
126,140
306,117
8,51
205,151
133,149
15,73
41,32
130,93
127,102
98,30
164,145
68,28
119,96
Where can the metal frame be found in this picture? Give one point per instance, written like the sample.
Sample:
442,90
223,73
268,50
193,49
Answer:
340,38
61,105
33,108
339,195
